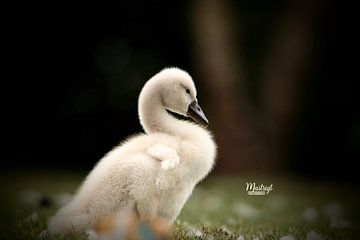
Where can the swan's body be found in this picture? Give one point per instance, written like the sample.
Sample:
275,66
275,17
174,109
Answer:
151,174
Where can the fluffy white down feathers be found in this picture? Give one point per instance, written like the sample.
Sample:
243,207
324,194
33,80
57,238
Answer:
151,174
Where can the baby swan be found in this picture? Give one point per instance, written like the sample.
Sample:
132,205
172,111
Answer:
150,175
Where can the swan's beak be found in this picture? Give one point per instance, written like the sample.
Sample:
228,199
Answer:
196,113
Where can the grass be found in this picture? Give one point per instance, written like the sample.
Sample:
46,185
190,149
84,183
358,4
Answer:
219,208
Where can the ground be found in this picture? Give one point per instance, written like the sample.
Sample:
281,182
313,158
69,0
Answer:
219,208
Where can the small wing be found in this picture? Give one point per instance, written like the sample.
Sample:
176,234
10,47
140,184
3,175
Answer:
167,155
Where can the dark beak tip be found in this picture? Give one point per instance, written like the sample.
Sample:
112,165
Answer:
196,113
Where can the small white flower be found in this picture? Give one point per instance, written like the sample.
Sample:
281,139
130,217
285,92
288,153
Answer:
288,237
225,229
91,235
194,232
241,237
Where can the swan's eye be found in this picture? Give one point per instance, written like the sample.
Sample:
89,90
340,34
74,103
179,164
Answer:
188,91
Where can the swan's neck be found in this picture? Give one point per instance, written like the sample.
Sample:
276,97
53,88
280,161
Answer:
155,119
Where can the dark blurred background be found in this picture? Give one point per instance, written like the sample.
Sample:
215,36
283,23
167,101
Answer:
276,79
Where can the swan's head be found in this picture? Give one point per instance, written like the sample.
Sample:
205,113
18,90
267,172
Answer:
177,93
